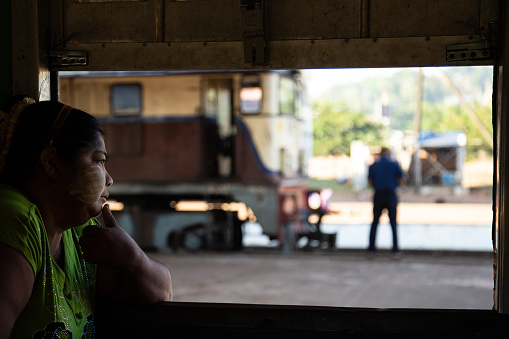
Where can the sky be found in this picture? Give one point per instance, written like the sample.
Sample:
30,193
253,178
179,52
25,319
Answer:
320,80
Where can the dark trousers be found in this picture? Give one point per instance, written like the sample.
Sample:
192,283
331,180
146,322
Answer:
384,199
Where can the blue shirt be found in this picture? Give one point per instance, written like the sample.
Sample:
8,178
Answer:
385,174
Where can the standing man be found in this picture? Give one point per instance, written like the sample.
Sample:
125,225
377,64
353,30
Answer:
385,176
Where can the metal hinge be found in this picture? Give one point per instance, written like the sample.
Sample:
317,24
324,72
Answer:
255,48
68,58
470,51
473,50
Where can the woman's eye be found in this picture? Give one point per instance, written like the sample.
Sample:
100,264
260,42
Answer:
102,162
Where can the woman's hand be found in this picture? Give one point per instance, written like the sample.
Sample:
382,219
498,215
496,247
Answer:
110,246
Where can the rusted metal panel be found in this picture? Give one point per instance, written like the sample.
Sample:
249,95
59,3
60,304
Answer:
164,34
183,149
423,18
110,21
125,140
304,19
207,21
174,146
355,53
291,54
218,20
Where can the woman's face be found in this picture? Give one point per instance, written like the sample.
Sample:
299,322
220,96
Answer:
90,181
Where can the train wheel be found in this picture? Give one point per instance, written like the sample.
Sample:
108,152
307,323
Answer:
193,240
237,235
173,241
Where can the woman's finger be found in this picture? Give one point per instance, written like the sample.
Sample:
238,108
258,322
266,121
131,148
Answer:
109,220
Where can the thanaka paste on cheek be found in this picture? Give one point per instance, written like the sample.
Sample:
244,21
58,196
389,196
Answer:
89,185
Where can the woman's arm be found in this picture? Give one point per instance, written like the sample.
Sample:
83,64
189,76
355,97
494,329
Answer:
150,284
16,286
124,270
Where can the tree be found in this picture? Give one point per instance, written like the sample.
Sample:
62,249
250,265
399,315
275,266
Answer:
401,89
336,126
440,108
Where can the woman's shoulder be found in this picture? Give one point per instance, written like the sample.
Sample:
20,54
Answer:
13,203
10,195
22,225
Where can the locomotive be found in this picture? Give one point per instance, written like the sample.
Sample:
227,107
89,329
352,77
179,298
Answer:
195,155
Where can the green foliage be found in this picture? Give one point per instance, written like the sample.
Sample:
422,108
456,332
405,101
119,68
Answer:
440,108
336,126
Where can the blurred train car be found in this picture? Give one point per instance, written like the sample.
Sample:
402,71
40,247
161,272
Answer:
194,155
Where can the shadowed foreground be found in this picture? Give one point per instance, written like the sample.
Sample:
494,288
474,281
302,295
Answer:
256,295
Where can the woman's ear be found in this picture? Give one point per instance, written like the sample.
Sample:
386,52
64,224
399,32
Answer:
49,161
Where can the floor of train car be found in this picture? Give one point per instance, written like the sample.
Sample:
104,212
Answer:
340,278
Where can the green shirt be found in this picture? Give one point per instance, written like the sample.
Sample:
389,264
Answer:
62,301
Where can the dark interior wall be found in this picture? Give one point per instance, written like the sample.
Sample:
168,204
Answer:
204,320
6,55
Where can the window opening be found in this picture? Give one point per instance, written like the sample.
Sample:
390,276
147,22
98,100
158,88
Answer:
380,100
251,96
126,99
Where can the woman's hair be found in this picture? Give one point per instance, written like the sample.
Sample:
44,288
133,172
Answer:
31,132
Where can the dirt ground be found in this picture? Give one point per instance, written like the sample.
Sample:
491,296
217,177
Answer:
408,194
412,213
337,279
471,208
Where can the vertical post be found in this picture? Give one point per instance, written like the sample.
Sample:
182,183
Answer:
364,18
54,86
6,56
501,159
160,18
417,130
30,75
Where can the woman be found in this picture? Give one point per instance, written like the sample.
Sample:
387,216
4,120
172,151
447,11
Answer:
54,256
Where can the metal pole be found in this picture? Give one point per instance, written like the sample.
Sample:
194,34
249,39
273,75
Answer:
417,129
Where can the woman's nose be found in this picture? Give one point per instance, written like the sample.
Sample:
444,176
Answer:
109,179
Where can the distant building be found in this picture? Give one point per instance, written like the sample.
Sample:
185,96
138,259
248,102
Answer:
442,156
